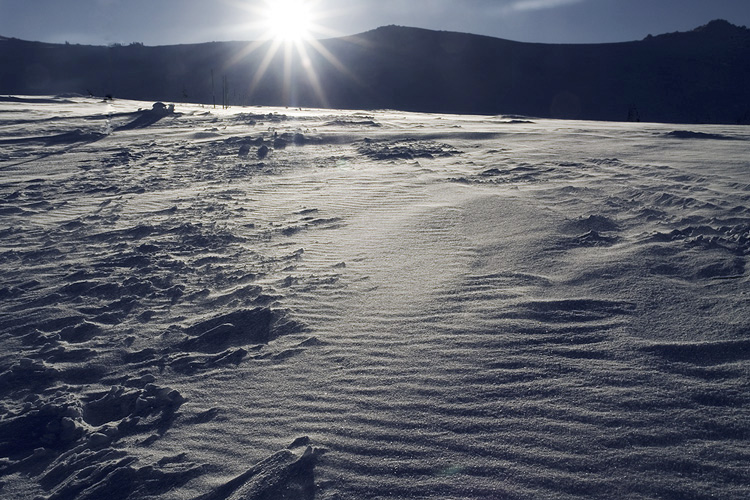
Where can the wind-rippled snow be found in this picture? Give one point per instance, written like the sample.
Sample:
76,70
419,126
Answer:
379,305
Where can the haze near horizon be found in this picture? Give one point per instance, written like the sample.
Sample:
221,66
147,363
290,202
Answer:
103,22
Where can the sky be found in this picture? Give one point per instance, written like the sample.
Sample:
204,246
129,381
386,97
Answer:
166,22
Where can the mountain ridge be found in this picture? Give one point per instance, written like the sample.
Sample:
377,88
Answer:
688,77
716,26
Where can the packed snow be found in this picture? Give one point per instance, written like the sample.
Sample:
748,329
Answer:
277,303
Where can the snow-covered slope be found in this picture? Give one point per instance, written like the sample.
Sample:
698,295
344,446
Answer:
287,303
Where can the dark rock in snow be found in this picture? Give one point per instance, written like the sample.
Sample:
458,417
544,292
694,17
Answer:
147,118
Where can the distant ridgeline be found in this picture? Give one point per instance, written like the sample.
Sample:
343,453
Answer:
701,76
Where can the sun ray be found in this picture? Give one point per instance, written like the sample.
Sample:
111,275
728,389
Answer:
247,51
312,76
333,60
261,71
291,28
288,87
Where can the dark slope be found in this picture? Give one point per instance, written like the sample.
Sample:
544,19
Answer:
694,77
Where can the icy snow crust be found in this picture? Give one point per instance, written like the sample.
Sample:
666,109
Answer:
281,303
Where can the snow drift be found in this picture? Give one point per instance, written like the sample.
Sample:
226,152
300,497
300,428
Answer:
378,305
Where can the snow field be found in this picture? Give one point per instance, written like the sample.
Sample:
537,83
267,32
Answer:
445,306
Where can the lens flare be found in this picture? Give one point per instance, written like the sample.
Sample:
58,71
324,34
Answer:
289,20
288,47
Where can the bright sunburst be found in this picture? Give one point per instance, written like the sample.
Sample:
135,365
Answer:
289,20
289,28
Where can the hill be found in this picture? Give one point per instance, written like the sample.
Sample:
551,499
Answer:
688,77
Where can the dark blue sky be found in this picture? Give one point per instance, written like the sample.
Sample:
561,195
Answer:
161,22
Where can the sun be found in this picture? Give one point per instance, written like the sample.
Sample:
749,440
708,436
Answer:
288,33
289,20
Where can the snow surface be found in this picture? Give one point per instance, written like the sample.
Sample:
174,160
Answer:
281,303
